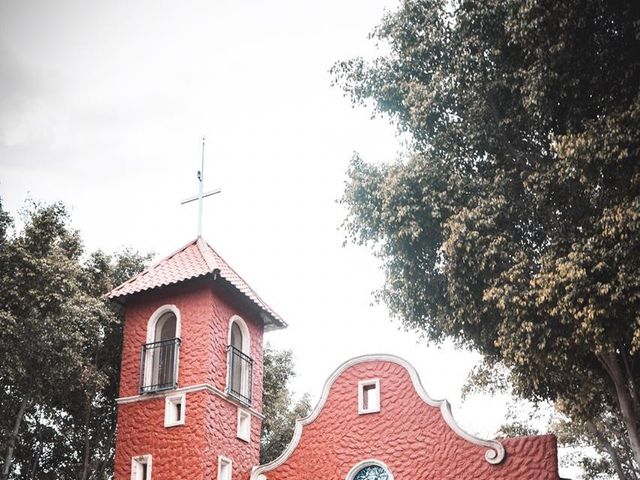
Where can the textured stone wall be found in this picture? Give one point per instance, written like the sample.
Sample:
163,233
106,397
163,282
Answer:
189,451
220,439
408,435
177,451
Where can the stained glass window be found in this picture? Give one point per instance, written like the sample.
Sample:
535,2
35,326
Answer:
372,472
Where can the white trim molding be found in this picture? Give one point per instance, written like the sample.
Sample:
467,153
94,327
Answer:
494,454
206,387
367,463
155,316
175,409
244,329
243,427
246,383
151,334
138,462
223,463
375,408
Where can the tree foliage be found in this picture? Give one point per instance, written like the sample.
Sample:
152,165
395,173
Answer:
279,409
512,223
60,344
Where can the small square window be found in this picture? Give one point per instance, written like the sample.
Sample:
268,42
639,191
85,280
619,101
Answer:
225,467
369,396
244,425
141,467
174,410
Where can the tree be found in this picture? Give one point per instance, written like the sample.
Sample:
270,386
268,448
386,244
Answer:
599,446
512,222
280,413
606,434
59,346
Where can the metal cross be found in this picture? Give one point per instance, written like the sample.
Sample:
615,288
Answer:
200,195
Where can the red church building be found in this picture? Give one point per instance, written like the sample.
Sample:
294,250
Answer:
190,402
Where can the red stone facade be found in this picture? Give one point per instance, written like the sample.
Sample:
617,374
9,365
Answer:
407,435
188,451
411,435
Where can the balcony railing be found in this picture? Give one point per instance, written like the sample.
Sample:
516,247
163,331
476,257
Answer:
159,366
239,374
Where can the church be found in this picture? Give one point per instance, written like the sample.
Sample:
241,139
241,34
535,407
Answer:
190,400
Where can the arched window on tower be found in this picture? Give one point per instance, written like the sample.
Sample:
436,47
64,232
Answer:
161,352
239,362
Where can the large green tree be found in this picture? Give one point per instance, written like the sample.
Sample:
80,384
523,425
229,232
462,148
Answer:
280,409
59,348
512,222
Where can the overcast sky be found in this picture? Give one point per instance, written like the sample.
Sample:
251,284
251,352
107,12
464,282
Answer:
103,105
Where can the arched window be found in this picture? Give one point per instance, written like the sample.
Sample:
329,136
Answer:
236,336
239,361
161,352
370,470
166,327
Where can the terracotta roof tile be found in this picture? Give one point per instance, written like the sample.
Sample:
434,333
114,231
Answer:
194,260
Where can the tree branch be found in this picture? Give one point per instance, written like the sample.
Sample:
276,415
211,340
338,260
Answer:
605,444
611,364
8,458
630,381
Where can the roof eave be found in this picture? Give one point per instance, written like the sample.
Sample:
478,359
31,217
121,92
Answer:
272,323
270,320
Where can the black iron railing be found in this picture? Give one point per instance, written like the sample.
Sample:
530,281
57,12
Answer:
159,365
239,374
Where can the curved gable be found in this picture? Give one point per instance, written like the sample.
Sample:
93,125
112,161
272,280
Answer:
411,433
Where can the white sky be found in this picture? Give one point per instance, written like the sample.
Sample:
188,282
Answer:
102,106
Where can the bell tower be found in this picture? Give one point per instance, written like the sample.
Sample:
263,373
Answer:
190,400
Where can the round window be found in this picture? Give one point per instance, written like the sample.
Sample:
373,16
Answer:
372,472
